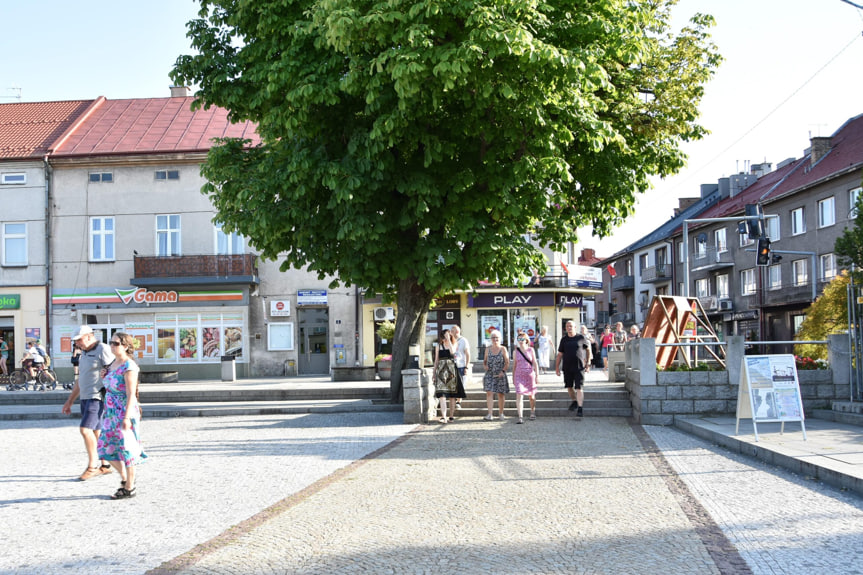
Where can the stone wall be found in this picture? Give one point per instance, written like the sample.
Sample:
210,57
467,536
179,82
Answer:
658,397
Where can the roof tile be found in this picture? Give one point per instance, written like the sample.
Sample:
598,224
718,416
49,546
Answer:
29,130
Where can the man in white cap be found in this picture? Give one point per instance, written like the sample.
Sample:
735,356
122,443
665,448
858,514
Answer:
95,356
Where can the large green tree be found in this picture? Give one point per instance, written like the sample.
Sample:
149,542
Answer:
849,246
408,145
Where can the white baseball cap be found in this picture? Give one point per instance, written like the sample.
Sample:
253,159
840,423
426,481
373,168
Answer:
82,331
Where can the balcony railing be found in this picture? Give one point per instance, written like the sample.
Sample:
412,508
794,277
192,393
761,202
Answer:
657,273
197,269
786,295
710,258
623,283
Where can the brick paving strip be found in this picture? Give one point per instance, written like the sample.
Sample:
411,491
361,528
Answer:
723,551
551,496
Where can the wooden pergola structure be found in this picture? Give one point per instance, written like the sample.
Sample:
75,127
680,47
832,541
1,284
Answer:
679,319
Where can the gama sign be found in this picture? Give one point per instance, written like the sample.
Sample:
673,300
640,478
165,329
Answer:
143,295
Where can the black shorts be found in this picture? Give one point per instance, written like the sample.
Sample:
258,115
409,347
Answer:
573,378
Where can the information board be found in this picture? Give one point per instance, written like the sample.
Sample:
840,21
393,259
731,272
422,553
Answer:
769,391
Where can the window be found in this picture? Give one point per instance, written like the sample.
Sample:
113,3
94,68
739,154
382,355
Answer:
680,288
107,177
702,288
797,322
774,277
720,241
102,239
168,235
701,246
798,222
826,212
745,240
827,267
852,202
680,253
722,288
14,244
771,228
747,282
661,256
628,265
229,244
13,179
162,175
643,262
799,273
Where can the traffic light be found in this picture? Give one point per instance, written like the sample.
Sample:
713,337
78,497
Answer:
612,309
763,251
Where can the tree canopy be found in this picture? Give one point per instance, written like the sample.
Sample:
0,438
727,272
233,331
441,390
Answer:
849,246
827,315
409,145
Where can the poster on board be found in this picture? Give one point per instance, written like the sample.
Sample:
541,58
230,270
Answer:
769,391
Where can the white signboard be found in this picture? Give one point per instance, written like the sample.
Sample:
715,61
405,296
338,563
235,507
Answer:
280,308
312,297
585,277
769,391
280,336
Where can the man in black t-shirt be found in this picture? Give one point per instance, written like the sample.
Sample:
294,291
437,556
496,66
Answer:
573,351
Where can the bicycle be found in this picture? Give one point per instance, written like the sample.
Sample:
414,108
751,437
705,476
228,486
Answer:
45,380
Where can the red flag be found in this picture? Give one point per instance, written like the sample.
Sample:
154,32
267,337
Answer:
565,269
611,271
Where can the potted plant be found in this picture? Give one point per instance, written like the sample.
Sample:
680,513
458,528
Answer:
384,364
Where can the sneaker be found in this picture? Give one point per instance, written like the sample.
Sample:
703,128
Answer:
573,405
579,413
520,420
502,417
532,416
90,473
458,405
488,417
105,470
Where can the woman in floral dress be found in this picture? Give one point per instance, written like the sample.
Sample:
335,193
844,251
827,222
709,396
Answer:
120,441
495,381
525,374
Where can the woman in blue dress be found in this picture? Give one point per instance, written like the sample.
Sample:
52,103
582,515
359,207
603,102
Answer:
120,440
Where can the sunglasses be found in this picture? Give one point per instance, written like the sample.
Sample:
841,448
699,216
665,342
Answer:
115,343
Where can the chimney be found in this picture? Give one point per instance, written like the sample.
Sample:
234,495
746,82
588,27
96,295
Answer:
820,147
588,255
683,203
179,91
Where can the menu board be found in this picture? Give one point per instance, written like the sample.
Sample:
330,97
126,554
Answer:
769,391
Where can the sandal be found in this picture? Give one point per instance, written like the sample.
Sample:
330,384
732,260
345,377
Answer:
532,416
442,420
452,418
123,493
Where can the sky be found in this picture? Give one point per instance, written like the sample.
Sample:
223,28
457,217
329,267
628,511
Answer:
792,70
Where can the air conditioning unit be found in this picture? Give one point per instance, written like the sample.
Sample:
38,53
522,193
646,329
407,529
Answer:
726,305
384,313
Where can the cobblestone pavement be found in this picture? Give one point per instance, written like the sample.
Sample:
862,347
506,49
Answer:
293,494
203,476
778,521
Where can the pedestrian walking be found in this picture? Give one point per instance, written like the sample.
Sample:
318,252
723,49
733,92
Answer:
95,356
4,355
447,379
495,381
591,342
634,332
606,344
525,372
620,337
572,353
543,344
462,358
120,441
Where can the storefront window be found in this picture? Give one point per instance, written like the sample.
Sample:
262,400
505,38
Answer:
192,338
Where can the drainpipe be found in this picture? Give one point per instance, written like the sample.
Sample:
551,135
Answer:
356,325
48,289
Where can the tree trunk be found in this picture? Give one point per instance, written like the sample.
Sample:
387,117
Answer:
413,305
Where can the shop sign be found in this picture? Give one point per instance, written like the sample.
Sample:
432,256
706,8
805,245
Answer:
280,308
585,277
746,315
570,300
311,297
513,299
451,301
143,295
10,301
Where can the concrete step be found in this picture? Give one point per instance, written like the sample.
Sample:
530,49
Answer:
850,418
